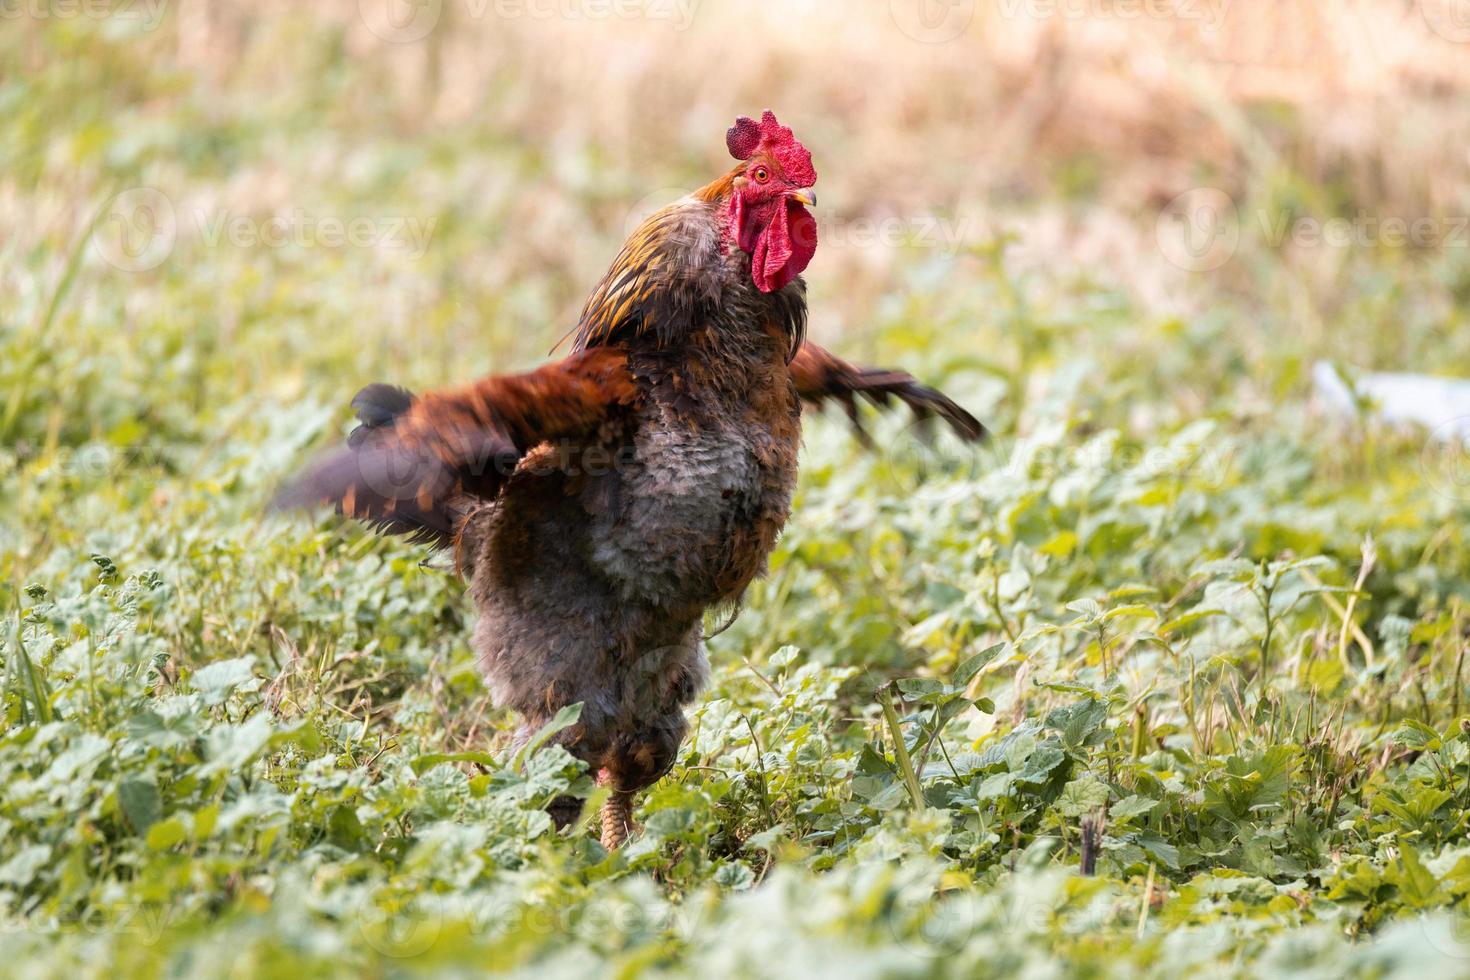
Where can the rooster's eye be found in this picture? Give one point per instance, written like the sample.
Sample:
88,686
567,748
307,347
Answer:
762,174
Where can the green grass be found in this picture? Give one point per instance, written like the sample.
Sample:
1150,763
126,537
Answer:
1172,618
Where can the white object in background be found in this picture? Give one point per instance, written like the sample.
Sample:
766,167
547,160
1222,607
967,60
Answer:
1442,404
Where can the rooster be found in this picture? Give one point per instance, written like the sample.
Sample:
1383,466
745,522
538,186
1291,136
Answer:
599,505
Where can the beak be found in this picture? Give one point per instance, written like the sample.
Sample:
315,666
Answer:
806,195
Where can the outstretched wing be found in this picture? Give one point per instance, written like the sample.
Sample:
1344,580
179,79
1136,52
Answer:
821,376
414,464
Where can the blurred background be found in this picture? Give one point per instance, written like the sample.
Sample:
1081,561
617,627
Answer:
177,182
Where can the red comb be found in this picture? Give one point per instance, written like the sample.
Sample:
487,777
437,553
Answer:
748,137
743,138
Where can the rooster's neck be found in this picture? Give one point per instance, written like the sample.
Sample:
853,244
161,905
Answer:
721,190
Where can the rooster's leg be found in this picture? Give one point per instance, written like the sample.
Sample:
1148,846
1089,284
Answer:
617,819
634,761
617,813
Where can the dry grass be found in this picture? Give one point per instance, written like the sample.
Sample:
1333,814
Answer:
1068,134
1363,90
1029,107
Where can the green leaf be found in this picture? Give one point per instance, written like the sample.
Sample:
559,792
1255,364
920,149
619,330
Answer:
1416,884
1041,763
218,680
166,834
1082,796
1061,544
563,719
1088,609
35,689
1235,569
1186,620
1078,722
1160,850
971,666
23,865
1416,735
919,688
734,875
1130,807
767,839
344,828
1135,611
140,803
423,763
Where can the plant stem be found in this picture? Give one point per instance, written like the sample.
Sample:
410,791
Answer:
900,751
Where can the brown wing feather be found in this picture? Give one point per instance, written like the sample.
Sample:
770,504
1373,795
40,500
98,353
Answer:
416,465
821,376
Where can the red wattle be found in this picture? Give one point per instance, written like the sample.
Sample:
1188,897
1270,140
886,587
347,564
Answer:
783,249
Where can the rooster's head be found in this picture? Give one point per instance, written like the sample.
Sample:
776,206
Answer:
768,215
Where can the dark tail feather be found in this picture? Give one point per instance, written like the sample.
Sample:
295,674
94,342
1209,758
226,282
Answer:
378,407
820,376
883,387
377,480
